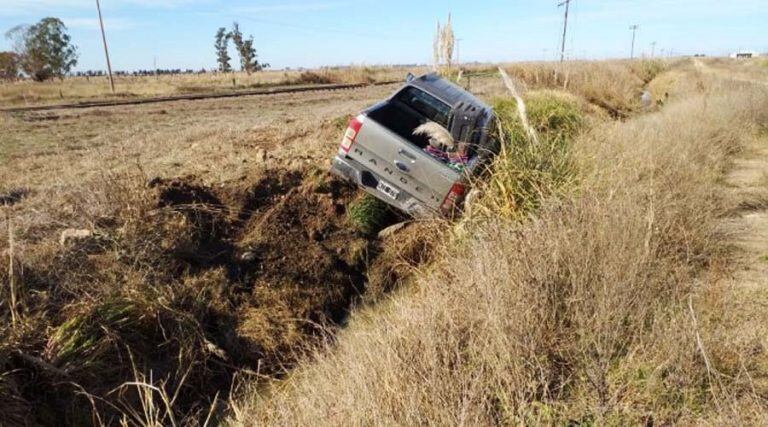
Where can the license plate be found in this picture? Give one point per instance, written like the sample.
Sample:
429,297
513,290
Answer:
388,189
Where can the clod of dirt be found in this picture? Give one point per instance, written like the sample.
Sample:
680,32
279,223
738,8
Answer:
303,261
192,220
13,196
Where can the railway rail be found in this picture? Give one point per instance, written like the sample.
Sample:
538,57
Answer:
194,97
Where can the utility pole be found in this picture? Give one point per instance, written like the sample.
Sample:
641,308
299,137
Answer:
634,29
106,49
653,50
567,4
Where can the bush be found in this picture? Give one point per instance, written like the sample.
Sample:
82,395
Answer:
525,172
311,77
368,214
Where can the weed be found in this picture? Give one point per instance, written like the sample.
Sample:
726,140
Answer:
311,77
368,214
526,172
84,339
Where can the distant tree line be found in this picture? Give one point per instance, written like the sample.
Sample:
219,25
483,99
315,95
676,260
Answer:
41,51
246,51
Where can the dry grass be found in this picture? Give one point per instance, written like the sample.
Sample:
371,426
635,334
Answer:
593,243
614,86
75,89
164,282
607,306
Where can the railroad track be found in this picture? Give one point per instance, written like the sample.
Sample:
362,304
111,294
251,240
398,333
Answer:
195,97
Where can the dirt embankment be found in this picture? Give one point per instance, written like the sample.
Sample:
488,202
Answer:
192,283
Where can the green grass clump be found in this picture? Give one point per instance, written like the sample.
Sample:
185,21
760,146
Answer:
83,340
764,258
525,172
368,214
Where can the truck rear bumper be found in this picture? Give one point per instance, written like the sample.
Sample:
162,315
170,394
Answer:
368,180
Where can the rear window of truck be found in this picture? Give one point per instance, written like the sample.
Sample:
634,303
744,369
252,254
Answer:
409,109
425,104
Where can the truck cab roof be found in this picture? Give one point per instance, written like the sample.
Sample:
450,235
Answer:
446,91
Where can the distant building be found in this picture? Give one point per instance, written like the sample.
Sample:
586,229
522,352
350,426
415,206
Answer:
745,54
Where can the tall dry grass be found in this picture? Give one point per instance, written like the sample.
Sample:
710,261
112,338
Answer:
606,306
614,86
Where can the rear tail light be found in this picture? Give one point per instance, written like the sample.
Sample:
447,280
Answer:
350,135
453,199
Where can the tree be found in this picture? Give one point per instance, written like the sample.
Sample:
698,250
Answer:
222,45
248,57
45,49
9,66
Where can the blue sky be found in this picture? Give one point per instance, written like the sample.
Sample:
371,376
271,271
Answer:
293,33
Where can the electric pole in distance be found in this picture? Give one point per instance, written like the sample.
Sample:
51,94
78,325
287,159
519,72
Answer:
106,50
567,4
653,50
634,29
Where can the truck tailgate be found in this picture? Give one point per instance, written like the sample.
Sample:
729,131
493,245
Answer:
402,164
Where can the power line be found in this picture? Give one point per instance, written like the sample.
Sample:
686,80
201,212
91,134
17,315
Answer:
106,49
567,4
634,29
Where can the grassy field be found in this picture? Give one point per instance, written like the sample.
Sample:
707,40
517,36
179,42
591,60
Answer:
219,256
81,89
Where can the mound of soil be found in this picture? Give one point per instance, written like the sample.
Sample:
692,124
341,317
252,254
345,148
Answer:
285,245
199,282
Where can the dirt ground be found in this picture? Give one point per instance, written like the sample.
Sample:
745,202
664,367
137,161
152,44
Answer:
171,139
748,225
220,244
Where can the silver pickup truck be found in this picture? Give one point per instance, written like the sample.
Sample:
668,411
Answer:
385,152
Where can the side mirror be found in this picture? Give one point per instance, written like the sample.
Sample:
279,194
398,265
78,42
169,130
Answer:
409,78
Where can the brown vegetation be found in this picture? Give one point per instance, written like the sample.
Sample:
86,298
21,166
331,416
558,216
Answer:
607,305
217,248
229,266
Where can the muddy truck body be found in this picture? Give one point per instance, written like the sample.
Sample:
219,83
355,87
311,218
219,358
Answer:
384,154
